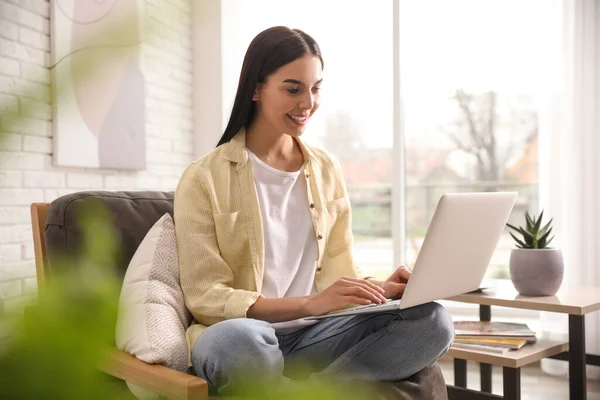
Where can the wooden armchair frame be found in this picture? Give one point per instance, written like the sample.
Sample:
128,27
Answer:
157,378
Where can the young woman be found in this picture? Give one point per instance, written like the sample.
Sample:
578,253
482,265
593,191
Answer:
264,234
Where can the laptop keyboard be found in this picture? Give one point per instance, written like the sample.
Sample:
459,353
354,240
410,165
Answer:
387,303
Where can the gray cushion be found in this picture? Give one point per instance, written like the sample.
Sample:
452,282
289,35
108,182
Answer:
133,214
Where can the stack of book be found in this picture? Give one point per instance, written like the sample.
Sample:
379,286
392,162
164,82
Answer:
495,337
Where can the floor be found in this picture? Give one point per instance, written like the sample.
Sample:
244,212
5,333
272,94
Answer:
535,384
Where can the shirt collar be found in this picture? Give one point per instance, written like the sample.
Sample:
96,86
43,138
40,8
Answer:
235,149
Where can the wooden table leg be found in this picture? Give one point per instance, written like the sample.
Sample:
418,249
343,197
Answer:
512,383
486,377
485,370
577,358
460,373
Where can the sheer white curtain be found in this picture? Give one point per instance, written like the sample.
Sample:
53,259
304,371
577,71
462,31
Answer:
570,163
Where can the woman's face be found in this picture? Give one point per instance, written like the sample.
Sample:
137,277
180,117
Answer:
290,96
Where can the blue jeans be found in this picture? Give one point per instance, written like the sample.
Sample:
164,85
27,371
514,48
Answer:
385,346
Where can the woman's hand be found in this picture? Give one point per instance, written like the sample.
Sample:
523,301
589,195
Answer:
343,292
396,283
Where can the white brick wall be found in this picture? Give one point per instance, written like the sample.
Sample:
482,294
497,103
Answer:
26,171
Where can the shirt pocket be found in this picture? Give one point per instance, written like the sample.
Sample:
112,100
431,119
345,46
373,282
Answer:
232,238
339,239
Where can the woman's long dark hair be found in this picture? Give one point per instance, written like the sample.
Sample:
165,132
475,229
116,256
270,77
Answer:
270,49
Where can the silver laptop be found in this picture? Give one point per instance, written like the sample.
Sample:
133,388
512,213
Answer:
456,251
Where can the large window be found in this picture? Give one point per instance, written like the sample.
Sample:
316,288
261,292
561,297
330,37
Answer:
473,77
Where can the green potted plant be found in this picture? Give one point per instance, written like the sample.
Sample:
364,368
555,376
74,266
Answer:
535,268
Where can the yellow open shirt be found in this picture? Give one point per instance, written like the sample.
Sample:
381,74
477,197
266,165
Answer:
220,234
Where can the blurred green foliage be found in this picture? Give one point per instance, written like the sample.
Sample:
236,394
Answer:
55,349
251,387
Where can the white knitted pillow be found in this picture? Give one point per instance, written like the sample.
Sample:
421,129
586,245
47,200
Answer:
152,316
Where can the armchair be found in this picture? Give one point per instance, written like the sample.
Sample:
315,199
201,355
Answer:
55,231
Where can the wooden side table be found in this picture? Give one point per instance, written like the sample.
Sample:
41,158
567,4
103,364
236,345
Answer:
574,302
510,362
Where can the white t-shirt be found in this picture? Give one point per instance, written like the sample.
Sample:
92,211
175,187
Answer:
291,250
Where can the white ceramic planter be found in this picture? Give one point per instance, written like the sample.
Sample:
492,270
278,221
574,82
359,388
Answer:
536,272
